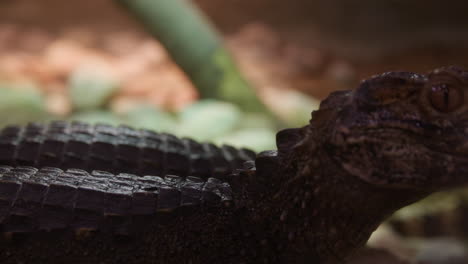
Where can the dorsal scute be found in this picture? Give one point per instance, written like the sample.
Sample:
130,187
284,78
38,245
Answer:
286,139
267,162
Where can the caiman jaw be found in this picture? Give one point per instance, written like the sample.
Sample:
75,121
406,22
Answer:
372,151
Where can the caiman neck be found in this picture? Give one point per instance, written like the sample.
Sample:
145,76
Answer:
320,213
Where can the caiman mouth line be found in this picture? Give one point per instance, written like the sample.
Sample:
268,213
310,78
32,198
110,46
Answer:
412,126
378,134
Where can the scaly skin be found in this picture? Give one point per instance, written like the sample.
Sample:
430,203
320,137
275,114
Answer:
366,153
115,149
53,216
51,199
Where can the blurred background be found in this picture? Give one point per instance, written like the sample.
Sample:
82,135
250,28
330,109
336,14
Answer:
94,60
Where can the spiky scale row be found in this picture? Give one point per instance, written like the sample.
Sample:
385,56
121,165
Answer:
116,149
50,199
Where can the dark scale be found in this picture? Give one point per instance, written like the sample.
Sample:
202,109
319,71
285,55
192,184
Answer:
103,151
118,202
58,127
77,149
28,147
145,197
81,127
4,168
106,129
129,153
128,131
218,159
58,205
52,150
116,149
51,170
168,199
90,202
28,203
118,197
191,190
200,162
9,140
78,172
10,190
102,174
25,169
176,160
233,156
152,158
34,129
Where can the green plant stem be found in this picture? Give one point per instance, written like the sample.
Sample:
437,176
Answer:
197,48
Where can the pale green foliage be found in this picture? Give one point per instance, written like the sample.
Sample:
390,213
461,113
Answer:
208,119
20,103
256,120
293,107
90,88
149,117
197,47
257,139
94,117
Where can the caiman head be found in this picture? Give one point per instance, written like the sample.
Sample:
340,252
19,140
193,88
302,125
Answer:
368,152
403,130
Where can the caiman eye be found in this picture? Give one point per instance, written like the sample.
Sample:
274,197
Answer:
445,98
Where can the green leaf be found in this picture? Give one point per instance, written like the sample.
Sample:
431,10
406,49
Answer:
294,107
257,120
93,117
150,117
208,119
21,103
90,88
257,139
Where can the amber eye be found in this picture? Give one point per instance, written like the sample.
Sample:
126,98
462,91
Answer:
445,98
